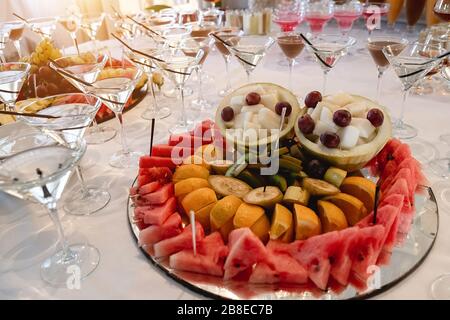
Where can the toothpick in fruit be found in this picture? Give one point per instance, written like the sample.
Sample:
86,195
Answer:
283,116
194,237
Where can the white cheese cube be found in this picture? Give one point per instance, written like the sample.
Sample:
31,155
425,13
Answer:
315,115
364,126
349,137
326,115
322,127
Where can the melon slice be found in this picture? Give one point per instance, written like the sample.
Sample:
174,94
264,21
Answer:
156,214
340,261
159,196
153,234
149,188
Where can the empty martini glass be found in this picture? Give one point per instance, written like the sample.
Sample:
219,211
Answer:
410,66
5,30
191,47
249,50
226,34
41,172
91,23
12,77
71,24
178,67
43,26
86,67
291,43
16,33
75,112
375,46
327,50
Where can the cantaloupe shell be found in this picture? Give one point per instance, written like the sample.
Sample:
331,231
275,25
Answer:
356,158
284,94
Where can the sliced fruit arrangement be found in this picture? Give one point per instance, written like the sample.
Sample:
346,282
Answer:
310,222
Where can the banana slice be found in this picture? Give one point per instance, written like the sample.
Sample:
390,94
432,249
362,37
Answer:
318,187
226,186
264,196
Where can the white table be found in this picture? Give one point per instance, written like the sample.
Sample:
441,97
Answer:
124,272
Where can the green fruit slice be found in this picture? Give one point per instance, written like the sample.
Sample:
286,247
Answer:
226,186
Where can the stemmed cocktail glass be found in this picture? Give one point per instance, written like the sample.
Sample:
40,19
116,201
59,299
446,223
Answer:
317,14
249,50
177,67
75,113
40,172
410,65
91,23
43,26
12,77
288,15
327,50
372,13
71,24
225,34
292,45
191,47
395,8
16,33
375,46
5,30
346,14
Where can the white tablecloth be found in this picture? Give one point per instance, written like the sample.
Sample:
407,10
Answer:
124,272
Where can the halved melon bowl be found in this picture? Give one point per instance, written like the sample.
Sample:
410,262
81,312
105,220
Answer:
358,156
251,117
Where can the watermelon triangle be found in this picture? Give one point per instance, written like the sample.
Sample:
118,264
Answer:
400,187
339,258
180,242
153,234
401,153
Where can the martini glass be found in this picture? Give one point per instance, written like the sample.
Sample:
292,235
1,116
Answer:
75,113
91,23
346,14
327,50
375,46
43,26
16,33
12,77
86,67
226,34
289,15
71,24
41,172
211,17
292,45
188,16
249,50
372,13
5,30
191,47
178,67
318,14
410,65
114,92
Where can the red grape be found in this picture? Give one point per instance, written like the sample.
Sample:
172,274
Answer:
330,139
376,117
41,91
52,89
45,73
312,99
342,118
306,124
281,105
316,169
253,98
227,114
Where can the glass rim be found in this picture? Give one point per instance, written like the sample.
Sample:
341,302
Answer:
26,69
346,41
43,19
80,149
101,64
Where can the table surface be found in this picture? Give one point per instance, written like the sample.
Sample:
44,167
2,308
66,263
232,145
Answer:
27,235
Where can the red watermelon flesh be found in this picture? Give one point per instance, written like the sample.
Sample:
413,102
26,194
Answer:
187,141
378,164
157,214
159,196
146,175
388,173
166,151
396,201
364,249
151,161
416,169
180,242
401,153
153,234
340,261
210,258
149,188
245,250
400,186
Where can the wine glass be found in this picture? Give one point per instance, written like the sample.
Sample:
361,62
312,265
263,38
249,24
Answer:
44,27
346,14
249,50
91,23
375,45
40,172
410,65
442,9
85,67
16,33
12,77
177,66
372,13
288,15
395,8
74,112
191,47
414,9
188,16
225,34
317,14
327,50
212,17
292,45
71,24
5,30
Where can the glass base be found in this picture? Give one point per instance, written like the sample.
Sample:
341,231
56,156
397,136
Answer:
441,167
60,271
83,204
442,191
403,131
423,151
125,160
440,288
173,93
100,135
180,128
150,114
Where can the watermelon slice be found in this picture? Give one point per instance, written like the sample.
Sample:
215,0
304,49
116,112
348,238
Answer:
402,152
149,188
146,175
180,242
245,250
201,128
159,196
153,234
400,186
210,258
187,141
156,214
416,169
150,161
166,151
340,261
378,163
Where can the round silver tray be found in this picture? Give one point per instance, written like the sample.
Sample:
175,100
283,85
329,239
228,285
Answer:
404,260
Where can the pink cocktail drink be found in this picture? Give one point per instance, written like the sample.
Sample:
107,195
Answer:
345,19
288,22
317,22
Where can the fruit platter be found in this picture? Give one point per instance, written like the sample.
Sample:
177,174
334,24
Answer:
344,214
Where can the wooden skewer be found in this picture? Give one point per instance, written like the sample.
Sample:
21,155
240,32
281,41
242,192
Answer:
21,18
315,49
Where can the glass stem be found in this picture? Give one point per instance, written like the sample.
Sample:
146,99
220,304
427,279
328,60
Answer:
95,44
199,76
380,76
291,66
325,78
399,122
248,75
17,45
153,106
95,127
84,189
73,35
183,119
123,138
53,212
227,70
